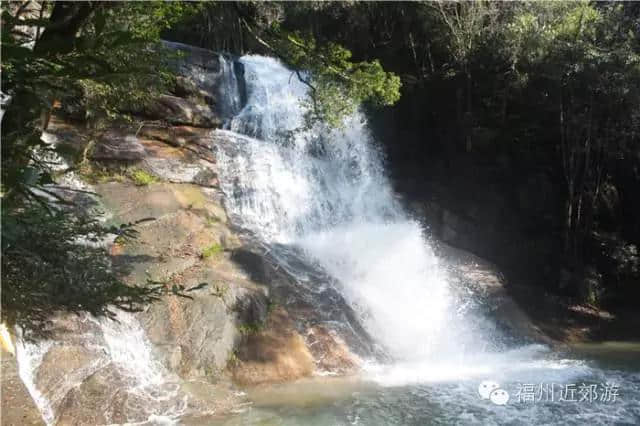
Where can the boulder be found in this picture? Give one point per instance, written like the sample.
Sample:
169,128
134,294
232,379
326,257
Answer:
194,330
175,135
487,285
252,263
272,353
103,371
118,145
175,110
330,352
194,336
187,88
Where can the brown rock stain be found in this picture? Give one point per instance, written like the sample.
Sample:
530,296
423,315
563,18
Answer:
277,353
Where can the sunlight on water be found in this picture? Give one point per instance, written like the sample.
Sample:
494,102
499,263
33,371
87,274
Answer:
392,278
324,191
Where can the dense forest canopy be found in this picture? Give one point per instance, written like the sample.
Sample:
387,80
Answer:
511,99
516,90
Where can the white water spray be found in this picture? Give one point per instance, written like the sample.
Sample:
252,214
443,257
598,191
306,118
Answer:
324,190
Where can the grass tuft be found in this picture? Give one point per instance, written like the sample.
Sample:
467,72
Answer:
212,250
143,178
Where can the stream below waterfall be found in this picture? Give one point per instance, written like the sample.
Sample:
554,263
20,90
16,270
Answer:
321,196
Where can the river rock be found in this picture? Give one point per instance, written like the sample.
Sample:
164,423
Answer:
177,165
487,285
195,331
330,352
252,263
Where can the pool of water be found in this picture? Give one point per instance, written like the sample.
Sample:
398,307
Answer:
603,388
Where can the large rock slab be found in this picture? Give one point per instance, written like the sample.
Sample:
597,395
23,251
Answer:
179,165
118,145
18,408
175,135
195,331
489,289
175,110
104,371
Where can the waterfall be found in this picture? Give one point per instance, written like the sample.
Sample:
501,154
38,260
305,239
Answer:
229,90
324,191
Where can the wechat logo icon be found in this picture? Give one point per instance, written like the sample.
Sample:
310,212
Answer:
492,391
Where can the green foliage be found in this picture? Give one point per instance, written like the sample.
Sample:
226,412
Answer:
338,84
212,250
545,91
468,24
106,55
54,261
95,173
108,62
251,328
233,360
142,177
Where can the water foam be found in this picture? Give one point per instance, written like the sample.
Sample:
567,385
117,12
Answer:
325,191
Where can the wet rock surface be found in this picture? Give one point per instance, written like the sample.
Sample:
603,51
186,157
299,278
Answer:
272,353
490,291
231,313
17,406
220,317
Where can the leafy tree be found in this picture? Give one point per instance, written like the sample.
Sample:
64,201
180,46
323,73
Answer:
53,260
100,53
338,83
105,55
468,23
591,64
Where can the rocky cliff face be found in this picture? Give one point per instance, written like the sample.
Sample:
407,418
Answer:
217,324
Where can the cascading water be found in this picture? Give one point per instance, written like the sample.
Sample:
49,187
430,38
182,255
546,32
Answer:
116,351
323,191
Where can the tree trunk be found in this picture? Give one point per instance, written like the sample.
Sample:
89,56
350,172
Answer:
25,109
460,131
468,119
